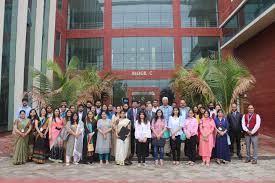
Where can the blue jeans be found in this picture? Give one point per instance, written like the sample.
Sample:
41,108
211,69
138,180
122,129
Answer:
104,156
161,152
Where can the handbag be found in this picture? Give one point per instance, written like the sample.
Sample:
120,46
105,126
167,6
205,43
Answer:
90,147
160,142
166,134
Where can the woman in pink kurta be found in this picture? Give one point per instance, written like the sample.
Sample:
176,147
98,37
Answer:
207,133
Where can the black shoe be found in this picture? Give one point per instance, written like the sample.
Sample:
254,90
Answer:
240,157
168,154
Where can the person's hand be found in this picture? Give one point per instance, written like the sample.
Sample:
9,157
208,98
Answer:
22,134
145,140
50,137
249,133
158,137
104,136
173,137
41,135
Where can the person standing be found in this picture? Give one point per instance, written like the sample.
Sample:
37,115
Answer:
175,126
158,127
33,117
22,128
122,143
149,112
251,123
24,107
142,134
133,116
49,110
207,134
103,144
221,151
212,110
234,119
191,130
155,105
81,113
115,119
184,109
98,106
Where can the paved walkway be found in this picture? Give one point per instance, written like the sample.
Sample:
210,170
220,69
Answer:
236,171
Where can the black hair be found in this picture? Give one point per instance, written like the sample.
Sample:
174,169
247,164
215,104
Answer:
200,114
53,118
220,110
207,112
35,116
156,115
145,117
22,111
66,116
173,114
45,110
25,99
72,118
192,111
134,101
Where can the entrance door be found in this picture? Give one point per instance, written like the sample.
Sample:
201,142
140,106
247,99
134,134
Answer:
143,94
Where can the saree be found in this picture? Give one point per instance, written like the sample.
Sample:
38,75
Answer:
113,148
122,147
41,147
21,143
78,143
31,139
56,141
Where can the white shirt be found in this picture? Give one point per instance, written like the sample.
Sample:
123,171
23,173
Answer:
256,127
174,124
142,130
154,109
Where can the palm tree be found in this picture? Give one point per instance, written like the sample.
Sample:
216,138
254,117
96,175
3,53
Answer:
214,81
72,85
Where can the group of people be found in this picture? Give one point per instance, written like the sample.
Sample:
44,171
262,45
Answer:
100,132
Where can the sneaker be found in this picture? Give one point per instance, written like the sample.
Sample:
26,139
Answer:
139,165
75,163
254,161
247,160
144,164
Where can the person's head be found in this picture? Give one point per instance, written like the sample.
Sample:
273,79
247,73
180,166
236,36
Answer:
72,108
68,115
33,114
206,114
191,113
142,117
142,106
250,109
25,101
218,106
63,108
202,110
159,115
155,103
104,107
211,106
110,107
22,114
89,104
93,109
118,109
98,103
149,107
182,103
64,102
234,107
125,107
134,104
148,102
220,113
49,109
165,101
80,108
74,118
43,112
122,114
176,112
90,116
103,114
199,106
195,110
56,113
174,104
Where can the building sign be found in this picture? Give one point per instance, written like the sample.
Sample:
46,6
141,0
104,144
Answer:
142,73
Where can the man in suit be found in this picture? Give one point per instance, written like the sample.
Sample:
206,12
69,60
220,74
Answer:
235,129
81,113
150,116
132,115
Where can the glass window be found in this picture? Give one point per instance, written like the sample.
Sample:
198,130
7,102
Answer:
194,48
249,12
89,52
57,43
199,13
59,5
142,13
143,53
85,14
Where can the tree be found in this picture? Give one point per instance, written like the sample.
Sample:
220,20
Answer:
72,85
214,81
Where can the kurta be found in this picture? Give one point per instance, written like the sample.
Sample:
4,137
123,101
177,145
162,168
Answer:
103,146
222,150
207,125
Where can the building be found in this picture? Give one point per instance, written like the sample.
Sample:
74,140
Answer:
27,30
248,28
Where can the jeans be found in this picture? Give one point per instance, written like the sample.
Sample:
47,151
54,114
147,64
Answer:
161,152
104,156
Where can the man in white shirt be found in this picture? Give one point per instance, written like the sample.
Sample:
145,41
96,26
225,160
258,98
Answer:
251,123
184,109
24,107
155,105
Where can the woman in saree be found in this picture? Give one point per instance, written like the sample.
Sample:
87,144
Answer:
75,140
122,145
89,138
115,119
56,123
22,128
33,117
207,134
41,147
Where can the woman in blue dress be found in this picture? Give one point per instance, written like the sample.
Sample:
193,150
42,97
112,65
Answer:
221,152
